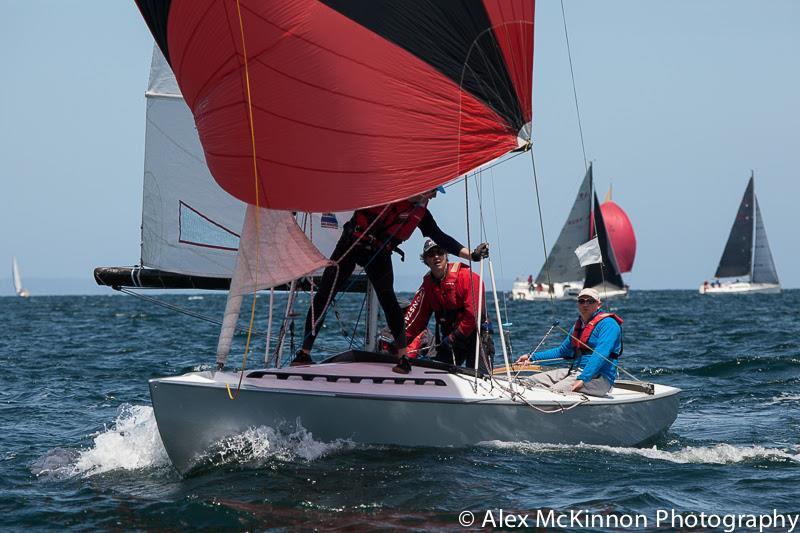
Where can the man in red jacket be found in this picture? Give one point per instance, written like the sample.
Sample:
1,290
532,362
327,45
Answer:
450,291
368,240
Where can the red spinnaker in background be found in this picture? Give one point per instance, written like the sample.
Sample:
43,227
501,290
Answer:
621,234
355,103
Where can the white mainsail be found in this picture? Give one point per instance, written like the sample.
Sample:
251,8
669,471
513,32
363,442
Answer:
189,224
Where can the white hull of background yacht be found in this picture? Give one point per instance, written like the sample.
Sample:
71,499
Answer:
366,402
741,287
521,290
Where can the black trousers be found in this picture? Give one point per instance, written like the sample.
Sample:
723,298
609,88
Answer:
378,267
464,352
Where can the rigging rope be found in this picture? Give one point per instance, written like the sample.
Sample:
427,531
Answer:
580,130
255,180
176,308
551,289
574,90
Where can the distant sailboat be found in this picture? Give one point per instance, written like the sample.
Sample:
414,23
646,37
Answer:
746,255
18,288
562,270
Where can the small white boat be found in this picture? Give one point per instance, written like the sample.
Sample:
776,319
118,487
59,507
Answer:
17,278
356,396
747,254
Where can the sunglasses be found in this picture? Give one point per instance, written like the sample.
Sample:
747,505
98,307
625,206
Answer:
586,300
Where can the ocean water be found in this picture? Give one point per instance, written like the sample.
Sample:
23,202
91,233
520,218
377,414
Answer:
80,446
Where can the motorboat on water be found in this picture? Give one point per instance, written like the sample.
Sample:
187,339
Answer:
746,265
356,396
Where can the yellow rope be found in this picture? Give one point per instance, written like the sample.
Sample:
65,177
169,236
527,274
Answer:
255,178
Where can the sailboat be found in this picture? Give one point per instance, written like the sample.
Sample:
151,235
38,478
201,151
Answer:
17,278
308,139
746,265
562,275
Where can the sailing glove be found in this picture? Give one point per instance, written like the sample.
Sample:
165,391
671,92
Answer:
480,252
447,343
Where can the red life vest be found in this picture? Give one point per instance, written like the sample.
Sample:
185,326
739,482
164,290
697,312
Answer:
395,223
451,299
582,333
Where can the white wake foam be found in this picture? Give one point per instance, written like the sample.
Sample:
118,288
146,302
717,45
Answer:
132,443
260,444
716,454
784,398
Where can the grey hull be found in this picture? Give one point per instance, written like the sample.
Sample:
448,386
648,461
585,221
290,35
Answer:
193,417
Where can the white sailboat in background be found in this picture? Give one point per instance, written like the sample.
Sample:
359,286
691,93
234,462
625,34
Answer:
562,271
17,278
746,265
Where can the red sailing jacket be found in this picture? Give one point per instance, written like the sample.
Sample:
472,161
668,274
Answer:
395,225
584,332
451,298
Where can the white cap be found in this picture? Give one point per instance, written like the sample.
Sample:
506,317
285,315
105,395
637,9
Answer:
591,293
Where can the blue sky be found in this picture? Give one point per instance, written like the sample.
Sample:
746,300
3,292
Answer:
679,101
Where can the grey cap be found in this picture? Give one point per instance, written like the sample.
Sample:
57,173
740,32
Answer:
429,245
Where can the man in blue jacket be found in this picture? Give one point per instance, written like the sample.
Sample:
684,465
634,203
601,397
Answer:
593,344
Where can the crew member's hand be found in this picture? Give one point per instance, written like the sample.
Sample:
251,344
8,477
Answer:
577,385
480,252
524,359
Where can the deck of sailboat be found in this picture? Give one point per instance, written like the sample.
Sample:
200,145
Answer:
376,380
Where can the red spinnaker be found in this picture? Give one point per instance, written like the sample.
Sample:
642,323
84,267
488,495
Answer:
621,234
355,103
